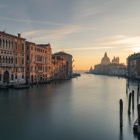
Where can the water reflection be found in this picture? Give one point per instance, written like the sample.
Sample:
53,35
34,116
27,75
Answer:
83,108
121,134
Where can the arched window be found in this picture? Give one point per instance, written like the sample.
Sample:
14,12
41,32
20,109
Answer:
12,45
15,45
16,60
6,44
3,59
9,60
0,42
12,76
0,77
12,60
16,76
23,47
6,60
9,44
3,43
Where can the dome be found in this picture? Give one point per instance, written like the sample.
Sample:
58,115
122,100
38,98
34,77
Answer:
105,60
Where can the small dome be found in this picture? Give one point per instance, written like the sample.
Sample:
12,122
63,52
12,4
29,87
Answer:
105,60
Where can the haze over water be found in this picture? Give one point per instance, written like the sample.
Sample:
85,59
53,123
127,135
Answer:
86,108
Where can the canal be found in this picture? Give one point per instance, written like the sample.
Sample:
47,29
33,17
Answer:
84,108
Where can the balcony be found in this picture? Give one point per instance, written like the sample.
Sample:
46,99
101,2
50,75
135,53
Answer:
6,65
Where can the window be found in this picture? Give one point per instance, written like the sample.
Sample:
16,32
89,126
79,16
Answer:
12,44
12,76
16,45
16,60
11,60
0,43
27,57
22,60
22,47
22,76
6,44
0,77
3,43
28,47
15,76
9,45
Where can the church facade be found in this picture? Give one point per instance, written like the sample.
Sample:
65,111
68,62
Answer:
108,67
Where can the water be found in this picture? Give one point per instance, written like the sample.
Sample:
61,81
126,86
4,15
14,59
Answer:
86,108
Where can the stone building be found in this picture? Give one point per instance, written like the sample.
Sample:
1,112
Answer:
69,62
133,66
38,62
59,67
115,60
105,60
108,68
12,59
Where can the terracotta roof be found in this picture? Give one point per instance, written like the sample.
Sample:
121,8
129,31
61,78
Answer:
62,53
6,34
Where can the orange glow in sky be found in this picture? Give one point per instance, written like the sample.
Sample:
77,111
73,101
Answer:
84,29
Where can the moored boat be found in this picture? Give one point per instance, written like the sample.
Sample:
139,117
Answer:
21,86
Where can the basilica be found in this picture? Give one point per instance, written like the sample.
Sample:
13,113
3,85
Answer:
108,67
106,60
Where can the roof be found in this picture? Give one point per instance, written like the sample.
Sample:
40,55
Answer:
62,53
44,45
4,33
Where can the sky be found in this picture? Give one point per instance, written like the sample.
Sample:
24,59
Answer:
86,29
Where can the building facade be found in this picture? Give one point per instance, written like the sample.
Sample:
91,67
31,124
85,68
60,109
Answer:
108,68
26,62
105,60
133,66
38,62
59,67
69,62
12,59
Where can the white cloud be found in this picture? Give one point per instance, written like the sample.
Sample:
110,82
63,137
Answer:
120,41
58,33
30,21
86,48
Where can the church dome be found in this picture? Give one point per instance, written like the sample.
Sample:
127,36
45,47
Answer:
105,60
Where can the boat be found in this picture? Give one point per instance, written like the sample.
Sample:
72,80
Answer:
4,87
135,126
75,75
67,78
21,86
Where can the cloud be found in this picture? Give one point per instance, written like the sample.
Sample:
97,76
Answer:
86,48
30,21
125,41
57,33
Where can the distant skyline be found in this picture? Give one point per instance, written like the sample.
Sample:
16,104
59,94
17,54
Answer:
84,28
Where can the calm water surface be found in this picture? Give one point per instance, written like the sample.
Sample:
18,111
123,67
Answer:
86,108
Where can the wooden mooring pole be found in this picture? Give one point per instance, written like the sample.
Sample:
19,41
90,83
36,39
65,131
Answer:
138,95
121,113
129,104
133,100
139,118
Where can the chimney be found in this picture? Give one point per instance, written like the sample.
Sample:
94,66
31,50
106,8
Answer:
19,35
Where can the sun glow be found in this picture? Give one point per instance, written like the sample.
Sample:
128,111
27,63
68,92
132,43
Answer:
136,49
